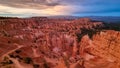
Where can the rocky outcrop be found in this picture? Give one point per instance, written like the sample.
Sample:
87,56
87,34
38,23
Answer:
103,45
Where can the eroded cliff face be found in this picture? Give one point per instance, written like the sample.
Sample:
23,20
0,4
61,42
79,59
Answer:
57,43
102,50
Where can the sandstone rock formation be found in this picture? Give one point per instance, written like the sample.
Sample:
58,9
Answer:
103,48
40,42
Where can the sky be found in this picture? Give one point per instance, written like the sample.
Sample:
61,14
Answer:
28,8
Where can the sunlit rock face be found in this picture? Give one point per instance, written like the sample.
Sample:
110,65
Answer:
85,47
41,42
102,50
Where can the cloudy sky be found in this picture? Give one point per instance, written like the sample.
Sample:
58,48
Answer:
26,8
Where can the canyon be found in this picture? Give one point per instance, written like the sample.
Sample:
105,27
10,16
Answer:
42,42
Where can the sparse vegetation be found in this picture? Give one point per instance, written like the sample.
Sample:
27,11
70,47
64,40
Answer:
11,55
6,61
27,60
112,26
36,66
9,42
45,65
18,51
90,33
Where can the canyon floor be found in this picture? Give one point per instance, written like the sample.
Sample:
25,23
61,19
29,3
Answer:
41,42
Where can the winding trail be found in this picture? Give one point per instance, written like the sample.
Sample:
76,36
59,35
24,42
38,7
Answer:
11,51
15,61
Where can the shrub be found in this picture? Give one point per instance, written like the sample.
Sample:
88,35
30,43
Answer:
27,60
36,66
18,51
